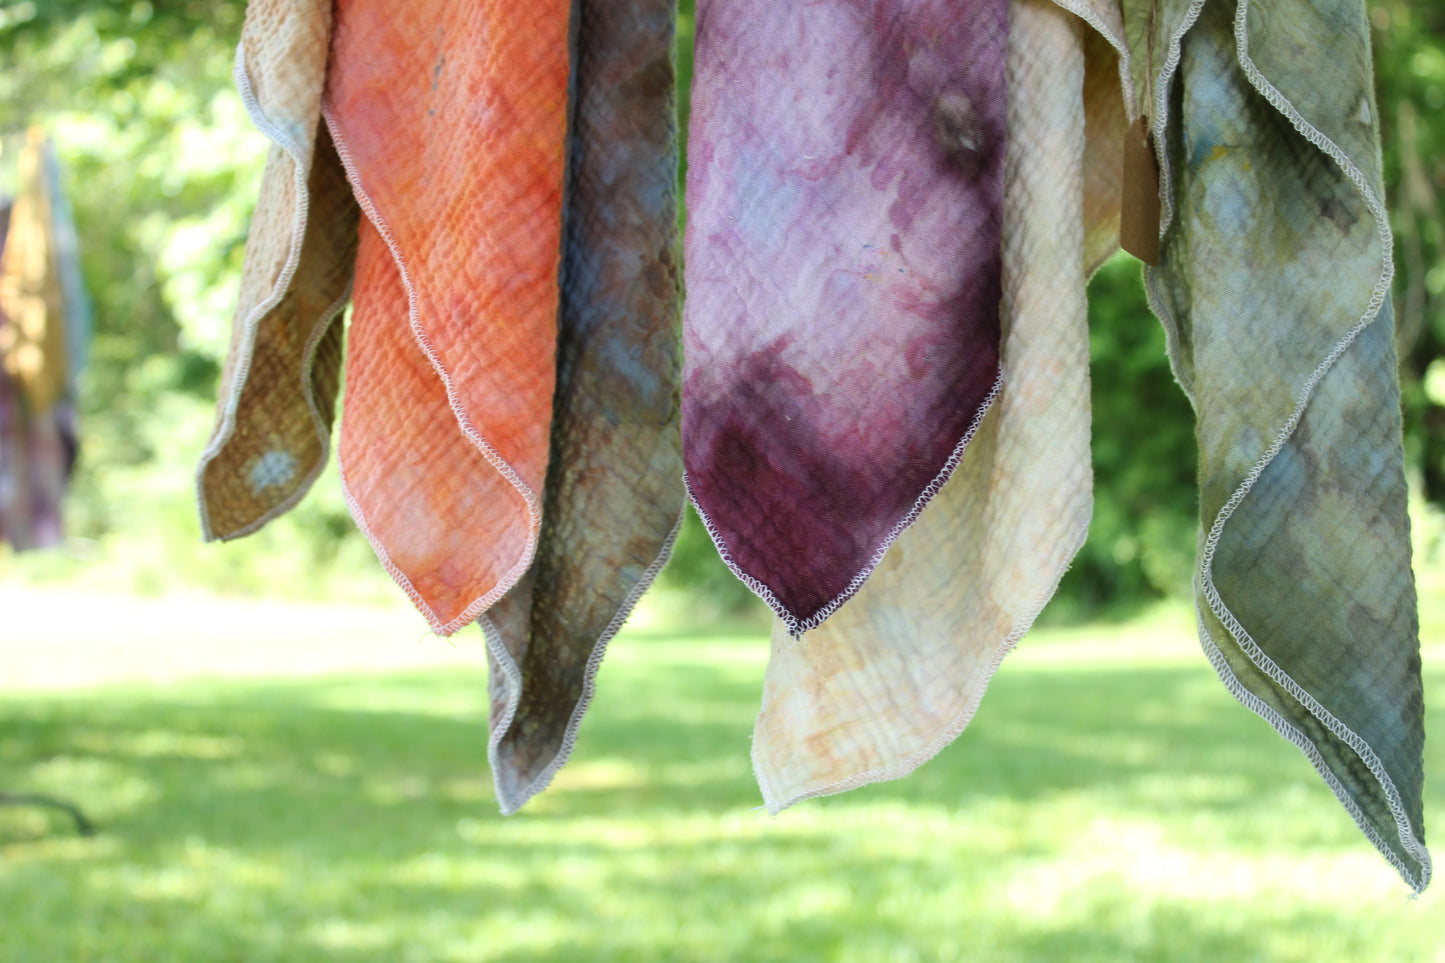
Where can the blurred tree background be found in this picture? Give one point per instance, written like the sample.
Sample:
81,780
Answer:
162,166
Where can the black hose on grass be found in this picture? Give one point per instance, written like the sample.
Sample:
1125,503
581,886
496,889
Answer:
83,826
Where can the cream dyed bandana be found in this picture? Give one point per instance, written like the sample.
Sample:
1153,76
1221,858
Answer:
278,390
898,672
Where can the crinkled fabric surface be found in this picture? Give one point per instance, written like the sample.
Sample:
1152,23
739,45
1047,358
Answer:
614,483
451,123
844,198
283,370
898,671
1274,289
451,129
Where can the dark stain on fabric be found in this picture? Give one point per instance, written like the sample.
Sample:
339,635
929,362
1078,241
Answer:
1339,213
956,127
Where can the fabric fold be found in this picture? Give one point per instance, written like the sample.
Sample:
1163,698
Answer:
613,496
495,362
842,259
899,671
1274,287
451,124
283,369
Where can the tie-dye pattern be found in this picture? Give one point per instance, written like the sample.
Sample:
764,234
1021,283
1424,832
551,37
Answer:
1274,288
841,327
614,483
451,123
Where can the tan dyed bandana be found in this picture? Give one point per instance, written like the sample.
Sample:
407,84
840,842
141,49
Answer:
899,671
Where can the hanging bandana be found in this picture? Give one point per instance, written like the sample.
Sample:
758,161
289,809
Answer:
1274,286
278,390
845,183
614,487
899,671
43,329
451,123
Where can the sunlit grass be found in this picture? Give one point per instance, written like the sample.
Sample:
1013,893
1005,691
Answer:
1110,802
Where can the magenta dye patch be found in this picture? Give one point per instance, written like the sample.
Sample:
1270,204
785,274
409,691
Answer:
844,197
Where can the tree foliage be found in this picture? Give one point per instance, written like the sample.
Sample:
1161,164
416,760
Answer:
159,164
1409,40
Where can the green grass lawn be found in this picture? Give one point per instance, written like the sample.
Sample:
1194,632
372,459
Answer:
1110,802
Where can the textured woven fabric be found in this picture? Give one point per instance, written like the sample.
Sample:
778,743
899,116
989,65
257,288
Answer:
278,390
450,127
451,123
614,485
898,671
841,327
1274,290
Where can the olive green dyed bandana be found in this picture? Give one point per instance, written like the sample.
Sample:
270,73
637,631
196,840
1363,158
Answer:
1273,286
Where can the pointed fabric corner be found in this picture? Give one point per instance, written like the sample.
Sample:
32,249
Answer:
1274,289
451,123
614,492
844,196
899,671
282,373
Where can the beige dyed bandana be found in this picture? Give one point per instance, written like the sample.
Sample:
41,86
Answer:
278,390
898,672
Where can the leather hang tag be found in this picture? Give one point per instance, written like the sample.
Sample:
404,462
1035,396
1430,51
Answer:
1139,219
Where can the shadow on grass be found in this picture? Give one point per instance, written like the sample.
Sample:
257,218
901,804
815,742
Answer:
352,819
1040,733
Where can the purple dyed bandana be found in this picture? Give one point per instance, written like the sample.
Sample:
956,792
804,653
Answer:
845,196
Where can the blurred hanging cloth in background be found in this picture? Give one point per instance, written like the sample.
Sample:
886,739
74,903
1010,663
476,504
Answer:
510,431
844,199
44,329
